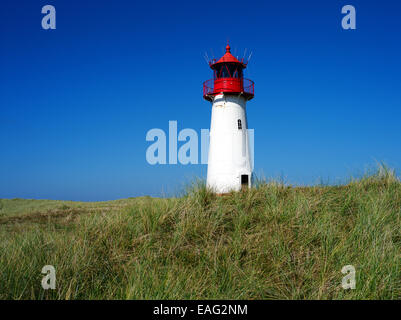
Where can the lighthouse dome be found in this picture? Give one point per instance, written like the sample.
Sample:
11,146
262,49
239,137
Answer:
228,58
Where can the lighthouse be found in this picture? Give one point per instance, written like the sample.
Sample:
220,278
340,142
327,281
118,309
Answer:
229,162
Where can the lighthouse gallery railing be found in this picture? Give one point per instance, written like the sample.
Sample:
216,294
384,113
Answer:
246,86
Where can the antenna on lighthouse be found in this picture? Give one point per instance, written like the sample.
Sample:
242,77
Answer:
249,58
227,46
206,58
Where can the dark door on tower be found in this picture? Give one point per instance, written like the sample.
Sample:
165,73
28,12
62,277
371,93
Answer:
244,181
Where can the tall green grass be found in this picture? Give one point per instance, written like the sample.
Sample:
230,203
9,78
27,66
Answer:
270,242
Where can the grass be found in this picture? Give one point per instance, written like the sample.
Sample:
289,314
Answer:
271,242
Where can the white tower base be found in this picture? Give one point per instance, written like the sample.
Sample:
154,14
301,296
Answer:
229,164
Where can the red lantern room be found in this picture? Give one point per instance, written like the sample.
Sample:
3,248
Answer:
228,78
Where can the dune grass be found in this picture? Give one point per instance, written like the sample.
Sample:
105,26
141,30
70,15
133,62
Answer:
271,242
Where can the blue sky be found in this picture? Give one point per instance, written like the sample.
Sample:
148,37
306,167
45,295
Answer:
76,102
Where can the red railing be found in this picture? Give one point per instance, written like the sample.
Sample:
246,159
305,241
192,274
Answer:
215,86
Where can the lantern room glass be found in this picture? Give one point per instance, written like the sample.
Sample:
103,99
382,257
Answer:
228,70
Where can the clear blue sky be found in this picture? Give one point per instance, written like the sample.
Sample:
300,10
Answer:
76,102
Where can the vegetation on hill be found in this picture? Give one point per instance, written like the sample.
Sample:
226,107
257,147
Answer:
270,242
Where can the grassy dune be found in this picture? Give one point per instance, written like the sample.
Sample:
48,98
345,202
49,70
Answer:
271,242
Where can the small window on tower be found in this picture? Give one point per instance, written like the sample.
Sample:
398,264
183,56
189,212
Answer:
239,124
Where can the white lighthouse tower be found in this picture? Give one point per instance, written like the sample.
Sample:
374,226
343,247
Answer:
229,163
